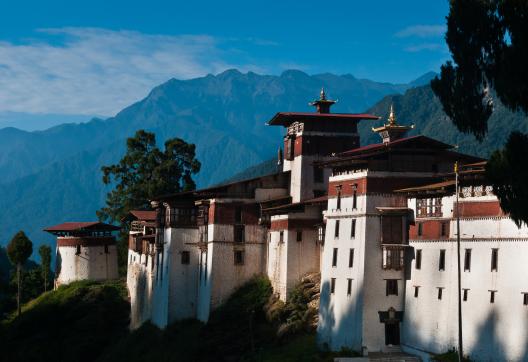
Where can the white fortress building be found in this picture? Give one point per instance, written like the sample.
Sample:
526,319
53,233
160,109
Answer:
85,251
378,222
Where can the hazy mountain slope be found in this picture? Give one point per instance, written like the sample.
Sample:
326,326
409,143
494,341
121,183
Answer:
231,104
421,107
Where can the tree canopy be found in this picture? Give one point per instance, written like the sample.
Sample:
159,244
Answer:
45,259
19,248
488,40
146,172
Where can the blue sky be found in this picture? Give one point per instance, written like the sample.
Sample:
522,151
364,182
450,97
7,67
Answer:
95,57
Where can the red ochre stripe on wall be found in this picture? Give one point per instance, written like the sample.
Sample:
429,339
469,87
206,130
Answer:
85,241
289,224
374,185
431,230
479,209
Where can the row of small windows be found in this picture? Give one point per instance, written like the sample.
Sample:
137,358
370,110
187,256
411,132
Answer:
443,229
333,285
352,229
465,294
354,196
467,259
350,258
238,257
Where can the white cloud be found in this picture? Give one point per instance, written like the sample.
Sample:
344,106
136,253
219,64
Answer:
425,46
422,31
98,71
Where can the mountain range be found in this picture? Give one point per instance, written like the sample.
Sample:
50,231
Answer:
54,175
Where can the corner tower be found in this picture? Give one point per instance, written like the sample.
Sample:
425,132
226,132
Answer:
313,137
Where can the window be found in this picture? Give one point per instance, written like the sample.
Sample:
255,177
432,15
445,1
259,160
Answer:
185,257
338,204
429,207
416,289
440,293
525,298
299,235
349,287
239,233
281,237
392,287
239,257
441,260
492,296
494,259
467,260
420,229
318,175
443,231
332,285
106,249
418,263
465,295
353,229
77,250
351,258
334,257
392,230
393,257
354,197
320,234
238,214
336,231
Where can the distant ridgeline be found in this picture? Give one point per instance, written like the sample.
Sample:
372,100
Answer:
55,174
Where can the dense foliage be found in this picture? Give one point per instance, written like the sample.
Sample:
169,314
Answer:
76,322
145,172
45,260
488,40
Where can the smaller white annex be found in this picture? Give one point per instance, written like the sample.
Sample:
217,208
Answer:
85,251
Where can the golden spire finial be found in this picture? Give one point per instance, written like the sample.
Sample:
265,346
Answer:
392,117
323,94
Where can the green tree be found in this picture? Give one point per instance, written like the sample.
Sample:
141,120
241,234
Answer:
45,260
488,40
19,250
143,173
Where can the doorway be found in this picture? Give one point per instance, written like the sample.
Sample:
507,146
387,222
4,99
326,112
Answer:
392,333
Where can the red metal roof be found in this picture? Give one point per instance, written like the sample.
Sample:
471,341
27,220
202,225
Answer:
420,139
77,226
287,118
146,215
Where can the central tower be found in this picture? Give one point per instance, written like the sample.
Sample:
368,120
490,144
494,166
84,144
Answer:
313,137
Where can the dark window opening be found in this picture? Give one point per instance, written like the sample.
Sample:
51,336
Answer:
336,231
239,233
106,249
392,230
338,205
239,257
281,237
525,298
465,295
77,250
418,263
416,289
492,296
334,257
354,200
420,229
351,258
318,175
392,287
353,229
332,285
440,293
443,231
494,259
299,235
238,214
349,286
467,260
185,257
441,261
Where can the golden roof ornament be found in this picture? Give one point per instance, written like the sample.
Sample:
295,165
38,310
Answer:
392,131
323,94
392,117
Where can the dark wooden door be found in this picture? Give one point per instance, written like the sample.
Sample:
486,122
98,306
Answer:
392,333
